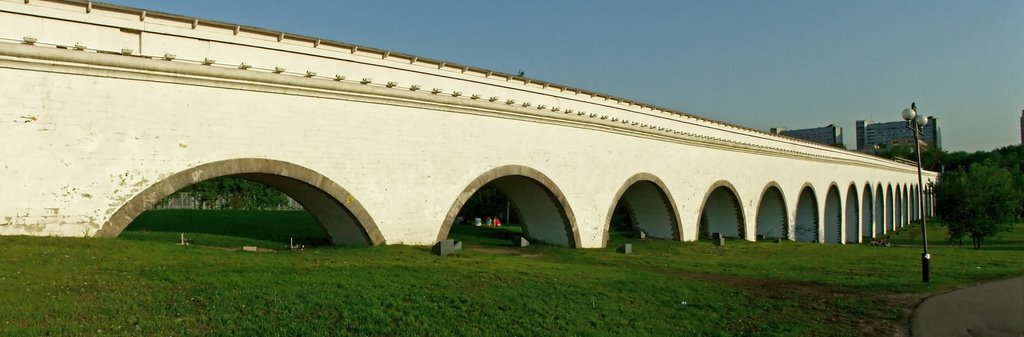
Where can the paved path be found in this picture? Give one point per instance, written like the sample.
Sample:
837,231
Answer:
993,309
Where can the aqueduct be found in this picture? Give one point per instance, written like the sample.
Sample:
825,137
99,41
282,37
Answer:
107,109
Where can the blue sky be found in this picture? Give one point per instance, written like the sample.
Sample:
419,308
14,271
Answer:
759,64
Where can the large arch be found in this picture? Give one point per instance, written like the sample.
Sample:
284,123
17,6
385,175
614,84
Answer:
833,221
929,201
342,216
911,198
546,214
915,204
906,205
772,221
852,215
919,202
806,224
879,211
722,212
890,215
898,205
867,214
650,205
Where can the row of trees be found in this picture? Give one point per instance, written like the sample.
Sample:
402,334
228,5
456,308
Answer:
979,194
232,193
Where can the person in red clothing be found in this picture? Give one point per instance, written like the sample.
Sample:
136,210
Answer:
497,222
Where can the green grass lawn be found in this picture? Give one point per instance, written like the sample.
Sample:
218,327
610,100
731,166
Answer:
142,284
228,228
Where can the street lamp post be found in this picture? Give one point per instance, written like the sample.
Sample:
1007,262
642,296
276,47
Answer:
916,123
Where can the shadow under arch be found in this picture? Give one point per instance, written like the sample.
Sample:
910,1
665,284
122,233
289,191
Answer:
915,195
722,212
890,216
879,211
651,205
345,220
906,204
853,211
867,217
805,228
545,212
772,221
833,217
898,205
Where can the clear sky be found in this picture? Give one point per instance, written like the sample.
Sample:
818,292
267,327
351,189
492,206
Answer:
793,64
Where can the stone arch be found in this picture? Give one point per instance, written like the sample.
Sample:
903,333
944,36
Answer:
806,224
833,217
772,221
906,205
852,215
651,207
898,205
722,211
932,198
890,216
926,202
919,194
867,214
879,211
915,206
915,203
343,217
545,211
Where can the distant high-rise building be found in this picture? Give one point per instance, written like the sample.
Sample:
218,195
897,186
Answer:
874,136
1022,126
828,135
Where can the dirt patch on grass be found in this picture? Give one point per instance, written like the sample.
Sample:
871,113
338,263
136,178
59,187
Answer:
871,313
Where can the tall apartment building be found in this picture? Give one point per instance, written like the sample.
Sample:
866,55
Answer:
828,135
1022,126
873,136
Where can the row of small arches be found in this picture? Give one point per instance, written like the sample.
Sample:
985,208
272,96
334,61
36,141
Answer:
547,216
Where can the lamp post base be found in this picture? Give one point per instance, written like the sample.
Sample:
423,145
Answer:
925,272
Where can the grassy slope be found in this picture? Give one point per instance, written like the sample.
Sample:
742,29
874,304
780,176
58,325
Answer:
148,286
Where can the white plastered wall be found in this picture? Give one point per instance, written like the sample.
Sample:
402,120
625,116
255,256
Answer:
85,139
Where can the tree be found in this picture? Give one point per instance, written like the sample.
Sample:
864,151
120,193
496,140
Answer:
897,151
979,202
234,193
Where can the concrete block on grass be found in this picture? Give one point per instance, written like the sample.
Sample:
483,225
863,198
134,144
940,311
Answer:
520,242
444,248
626,249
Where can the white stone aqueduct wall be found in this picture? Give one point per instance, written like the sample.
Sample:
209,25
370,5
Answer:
104,110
